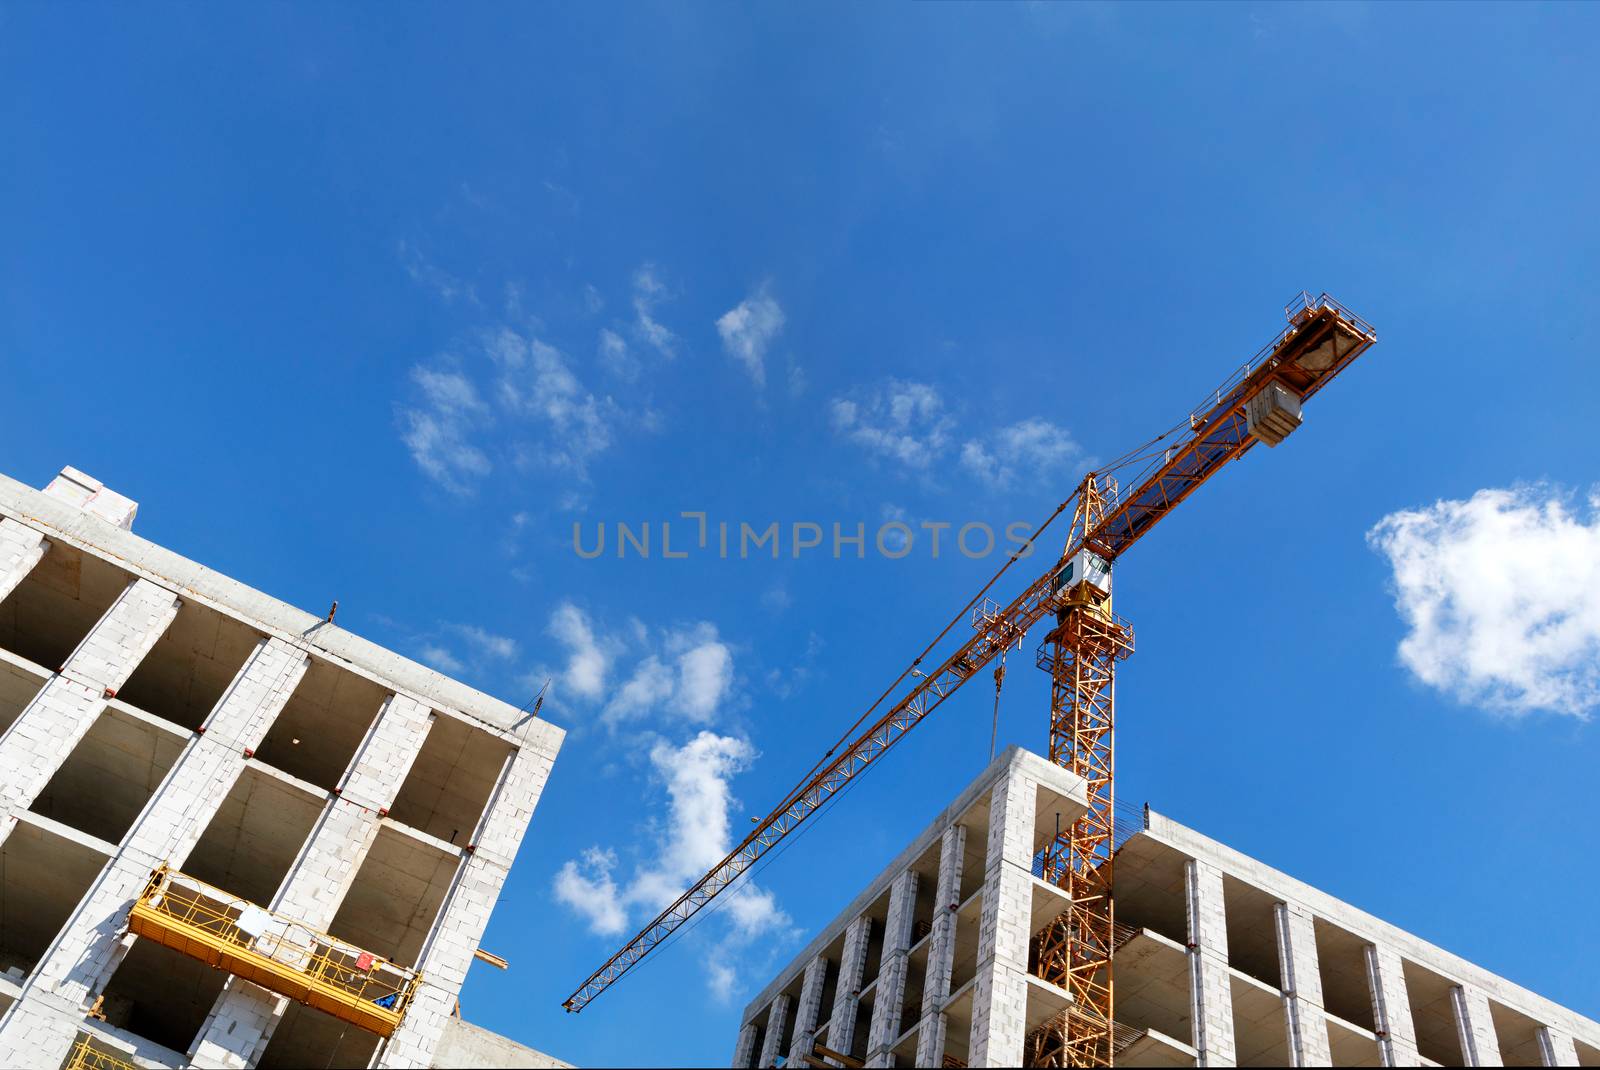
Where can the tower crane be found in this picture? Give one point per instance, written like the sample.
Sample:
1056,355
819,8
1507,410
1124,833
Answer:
1262,401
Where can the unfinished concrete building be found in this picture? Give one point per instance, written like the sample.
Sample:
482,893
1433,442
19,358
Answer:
1220,960
233,834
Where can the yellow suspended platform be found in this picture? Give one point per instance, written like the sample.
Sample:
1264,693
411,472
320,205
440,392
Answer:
85,1056
273,951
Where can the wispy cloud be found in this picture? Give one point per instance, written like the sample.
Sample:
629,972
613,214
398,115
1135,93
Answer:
575,424
748,329
440,658
485,643
437,429
612,349
524,389
899,421
1501,593
1037,447
425,273
649,292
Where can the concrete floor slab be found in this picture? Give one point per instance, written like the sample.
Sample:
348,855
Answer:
1152,981
1352,1045
1156,1049
1259,1030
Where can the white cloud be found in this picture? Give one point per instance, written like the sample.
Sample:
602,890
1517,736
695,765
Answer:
436,432
748,329
550,419
649,687
440,658
903,421
586,885
705,673
691,676
614,355
697,835
429,275
486,643
1501,593
1031,447
648,292
588,660
574,424
777,597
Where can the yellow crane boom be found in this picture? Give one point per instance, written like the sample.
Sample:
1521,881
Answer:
1261,402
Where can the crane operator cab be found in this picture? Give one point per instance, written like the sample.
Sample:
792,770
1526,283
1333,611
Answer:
1084,580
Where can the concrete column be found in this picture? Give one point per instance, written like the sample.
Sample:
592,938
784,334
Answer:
173,821
1000,989
1391,1008
888,1006
847,992
744,1052
458,930
244,1016
777,1019
1303,1013
1210,988
20,549
49,727
1556,1048
807,1011
941,947
1475,1027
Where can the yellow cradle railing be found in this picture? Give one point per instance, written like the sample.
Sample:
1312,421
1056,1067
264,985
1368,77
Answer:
273,951
86,1056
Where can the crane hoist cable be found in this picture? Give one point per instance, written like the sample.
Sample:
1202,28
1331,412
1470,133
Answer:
999,681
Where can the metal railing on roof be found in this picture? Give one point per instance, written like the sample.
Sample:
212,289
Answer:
273,951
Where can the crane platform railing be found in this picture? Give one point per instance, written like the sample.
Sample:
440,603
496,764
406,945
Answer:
273,951
1124,826
85,1056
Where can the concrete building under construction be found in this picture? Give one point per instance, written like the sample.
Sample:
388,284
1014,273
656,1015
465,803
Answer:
233,834
1220,960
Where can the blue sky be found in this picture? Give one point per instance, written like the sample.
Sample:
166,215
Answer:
374,304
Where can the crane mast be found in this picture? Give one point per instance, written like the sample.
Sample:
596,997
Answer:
1261,401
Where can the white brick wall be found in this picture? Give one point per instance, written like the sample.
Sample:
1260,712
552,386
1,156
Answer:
1210,989
465,914
1556,1048
1475,1027
888,1004
385,756
744,1052
20,549
847,991
1303,1013
941,946
173,820
50,726
38,1033
777,1019
808,1010
1391,1008
1000,990
316,884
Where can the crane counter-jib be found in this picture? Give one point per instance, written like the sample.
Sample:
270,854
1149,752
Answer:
1261,401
